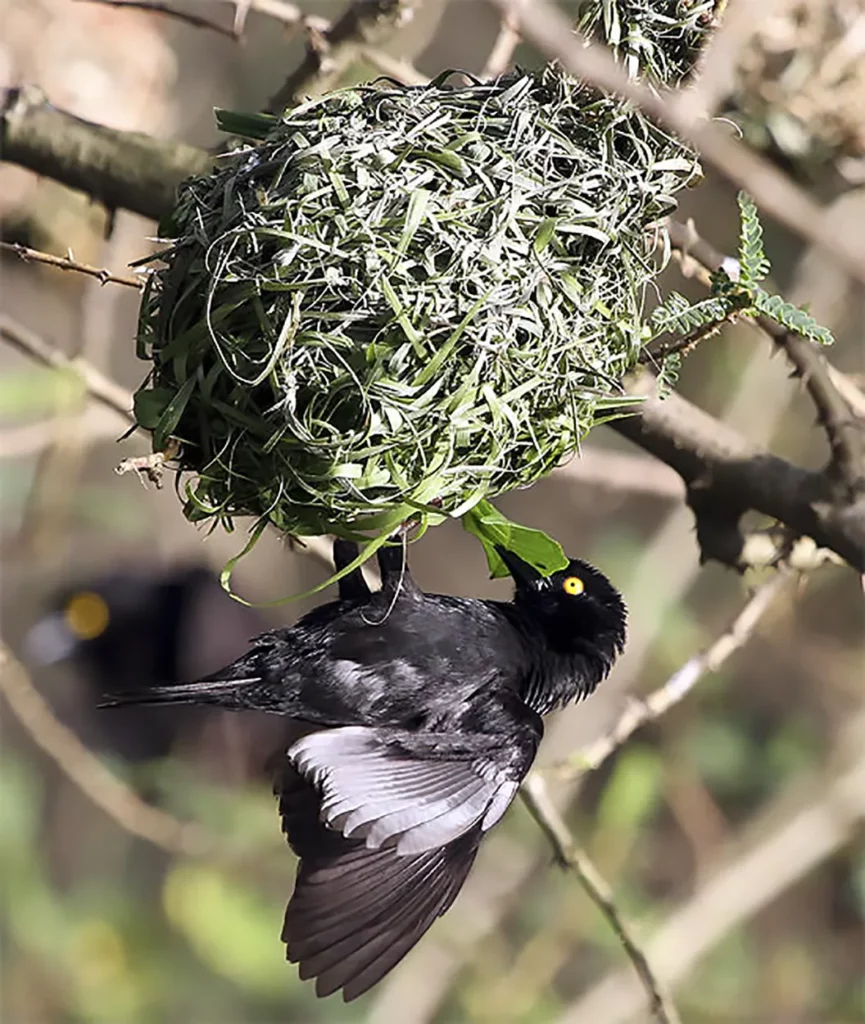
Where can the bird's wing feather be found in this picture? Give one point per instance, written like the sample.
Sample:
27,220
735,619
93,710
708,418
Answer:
356,912
416,798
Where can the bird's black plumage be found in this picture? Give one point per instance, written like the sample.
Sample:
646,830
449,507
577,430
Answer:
137,627
425,711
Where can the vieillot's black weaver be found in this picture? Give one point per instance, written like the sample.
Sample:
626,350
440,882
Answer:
426,715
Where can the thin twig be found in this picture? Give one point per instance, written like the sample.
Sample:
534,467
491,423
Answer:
684,345
287,14
68,262
680,684
331,48
506,42
785,841
571,856
549,29
88,773
155,7
846,437
98,386
394,67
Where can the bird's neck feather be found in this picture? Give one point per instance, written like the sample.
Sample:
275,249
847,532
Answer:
560,677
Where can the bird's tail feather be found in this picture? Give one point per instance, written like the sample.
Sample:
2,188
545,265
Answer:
223,692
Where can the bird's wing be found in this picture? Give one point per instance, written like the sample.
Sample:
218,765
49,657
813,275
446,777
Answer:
414,791
356,912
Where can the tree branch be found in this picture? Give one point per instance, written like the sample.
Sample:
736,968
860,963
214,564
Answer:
570,856
331,49
102,275
128,170
846,437
725,476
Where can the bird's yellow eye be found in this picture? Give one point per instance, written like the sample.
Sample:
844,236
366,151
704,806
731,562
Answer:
573,585
86,615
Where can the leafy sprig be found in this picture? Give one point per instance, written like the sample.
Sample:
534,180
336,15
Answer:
738,294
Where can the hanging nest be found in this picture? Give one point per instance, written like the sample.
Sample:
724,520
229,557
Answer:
657,39
401,299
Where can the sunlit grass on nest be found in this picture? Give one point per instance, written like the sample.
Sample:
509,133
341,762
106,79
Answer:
400,298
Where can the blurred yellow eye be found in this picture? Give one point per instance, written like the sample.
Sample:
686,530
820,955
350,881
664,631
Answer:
573,585
86,615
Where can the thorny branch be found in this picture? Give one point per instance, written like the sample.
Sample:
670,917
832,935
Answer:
725,475
571,856
102,275
846,437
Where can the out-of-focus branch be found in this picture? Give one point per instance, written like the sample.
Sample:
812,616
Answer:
282,11
785,843
128,170
103,275
394,67
552,33
625,472
331,48
98,386
568,853
680,684
155,7
506,42
88,773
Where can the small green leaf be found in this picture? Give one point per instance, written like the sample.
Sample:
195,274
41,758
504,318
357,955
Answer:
415,214
752,259
545,235
149,406
677,316
245,125
171,414
485,522
791,317
444,158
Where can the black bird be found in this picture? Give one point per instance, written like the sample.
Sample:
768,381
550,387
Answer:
135,628
426,710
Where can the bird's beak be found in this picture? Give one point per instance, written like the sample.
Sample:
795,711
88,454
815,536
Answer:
524,575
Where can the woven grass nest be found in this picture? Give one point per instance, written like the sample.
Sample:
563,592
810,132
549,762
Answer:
396,300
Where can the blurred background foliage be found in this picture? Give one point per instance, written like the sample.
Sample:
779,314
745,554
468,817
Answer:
99,926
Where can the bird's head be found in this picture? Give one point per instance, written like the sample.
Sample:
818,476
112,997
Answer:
577,608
